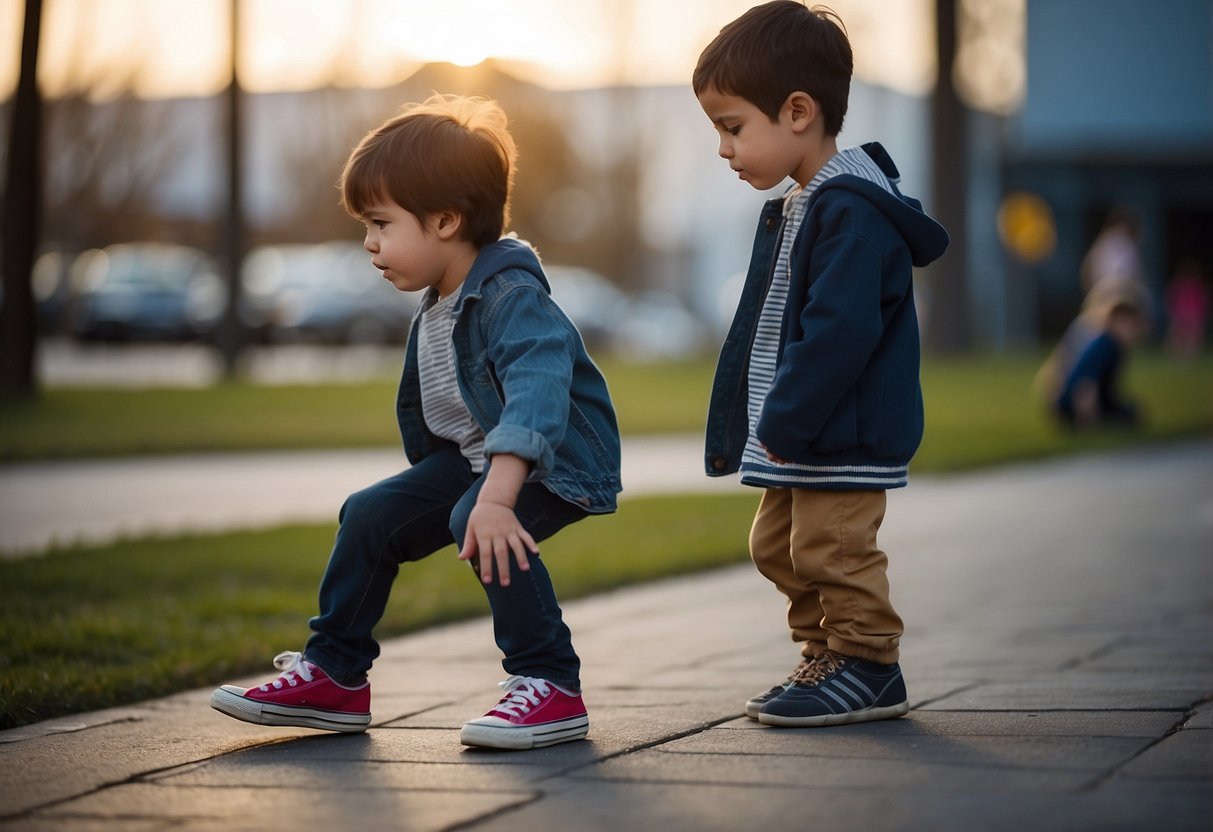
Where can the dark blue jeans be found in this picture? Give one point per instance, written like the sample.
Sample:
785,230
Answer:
412,515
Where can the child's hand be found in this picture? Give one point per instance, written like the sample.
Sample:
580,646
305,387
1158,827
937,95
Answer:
778,460
494,533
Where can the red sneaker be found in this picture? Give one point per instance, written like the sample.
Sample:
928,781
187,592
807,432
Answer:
533,713
303,696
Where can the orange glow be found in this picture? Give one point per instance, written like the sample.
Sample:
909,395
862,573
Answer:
163,48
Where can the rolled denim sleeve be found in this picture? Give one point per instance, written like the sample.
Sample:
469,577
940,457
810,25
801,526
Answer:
531,348
522,442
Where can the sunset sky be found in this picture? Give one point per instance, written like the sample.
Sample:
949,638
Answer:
179,47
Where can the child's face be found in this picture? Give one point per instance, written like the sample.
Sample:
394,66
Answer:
1127,328
762,152
410,253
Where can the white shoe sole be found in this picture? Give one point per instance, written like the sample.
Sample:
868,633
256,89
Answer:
753,707
479,735
865,715
231,701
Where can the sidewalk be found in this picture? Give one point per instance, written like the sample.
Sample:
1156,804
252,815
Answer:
95,501
1059,657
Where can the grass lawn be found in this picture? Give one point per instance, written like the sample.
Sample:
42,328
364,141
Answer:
979,410
72,423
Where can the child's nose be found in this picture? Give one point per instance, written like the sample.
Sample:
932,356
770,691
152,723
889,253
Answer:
370,245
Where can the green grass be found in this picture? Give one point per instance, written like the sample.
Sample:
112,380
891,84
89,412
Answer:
73,422
979,411
91,628
70,423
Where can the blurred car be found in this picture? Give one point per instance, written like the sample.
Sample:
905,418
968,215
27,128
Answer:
149,291
326,293
658,327
594,304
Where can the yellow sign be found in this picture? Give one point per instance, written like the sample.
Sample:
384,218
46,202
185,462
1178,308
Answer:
1026,227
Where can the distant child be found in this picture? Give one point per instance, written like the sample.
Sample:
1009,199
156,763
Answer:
816,397
1115,254
506,422
1090,395
1187,309
1089,323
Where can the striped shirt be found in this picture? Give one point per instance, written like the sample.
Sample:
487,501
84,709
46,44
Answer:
756,469
442,405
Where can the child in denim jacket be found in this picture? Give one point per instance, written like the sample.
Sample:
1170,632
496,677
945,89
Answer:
505,420
816,397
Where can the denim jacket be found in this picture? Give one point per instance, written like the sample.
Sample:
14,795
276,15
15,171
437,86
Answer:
527,379
846,399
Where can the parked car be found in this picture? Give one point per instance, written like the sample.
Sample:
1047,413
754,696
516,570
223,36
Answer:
327,293
652,326
658,327
152,291
594,304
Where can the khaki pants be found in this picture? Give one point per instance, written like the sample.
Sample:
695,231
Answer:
819,549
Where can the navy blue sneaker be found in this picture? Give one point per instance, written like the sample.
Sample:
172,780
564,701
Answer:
838,689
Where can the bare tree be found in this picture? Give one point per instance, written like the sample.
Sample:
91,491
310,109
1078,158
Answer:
107,160
21,209
107,155
310,160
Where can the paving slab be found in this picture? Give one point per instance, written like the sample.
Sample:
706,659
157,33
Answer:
382,802
1184,755
902,741
834,772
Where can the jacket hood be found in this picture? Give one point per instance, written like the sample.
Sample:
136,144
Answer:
926,238
506,253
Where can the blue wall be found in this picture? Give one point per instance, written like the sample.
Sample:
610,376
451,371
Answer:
1113,76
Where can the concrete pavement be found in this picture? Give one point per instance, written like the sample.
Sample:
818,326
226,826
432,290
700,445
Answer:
1059,658
95,501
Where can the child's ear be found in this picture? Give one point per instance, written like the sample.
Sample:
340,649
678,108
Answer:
447,224
802,110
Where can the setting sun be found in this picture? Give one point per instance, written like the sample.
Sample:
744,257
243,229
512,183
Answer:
455,32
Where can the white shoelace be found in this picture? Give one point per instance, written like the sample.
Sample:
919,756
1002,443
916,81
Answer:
291,664
522,694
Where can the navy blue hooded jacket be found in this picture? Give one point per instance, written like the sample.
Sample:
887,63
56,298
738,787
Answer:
846,397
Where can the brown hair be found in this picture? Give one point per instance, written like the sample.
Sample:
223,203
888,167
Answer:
779,48
447,153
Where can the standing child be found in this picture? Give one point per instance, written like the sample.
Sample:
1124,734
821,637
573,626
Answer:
816,397
504,417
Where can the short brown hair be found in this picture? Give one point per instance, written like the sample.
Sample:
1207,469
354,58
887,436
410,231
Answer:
779,48
448,153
